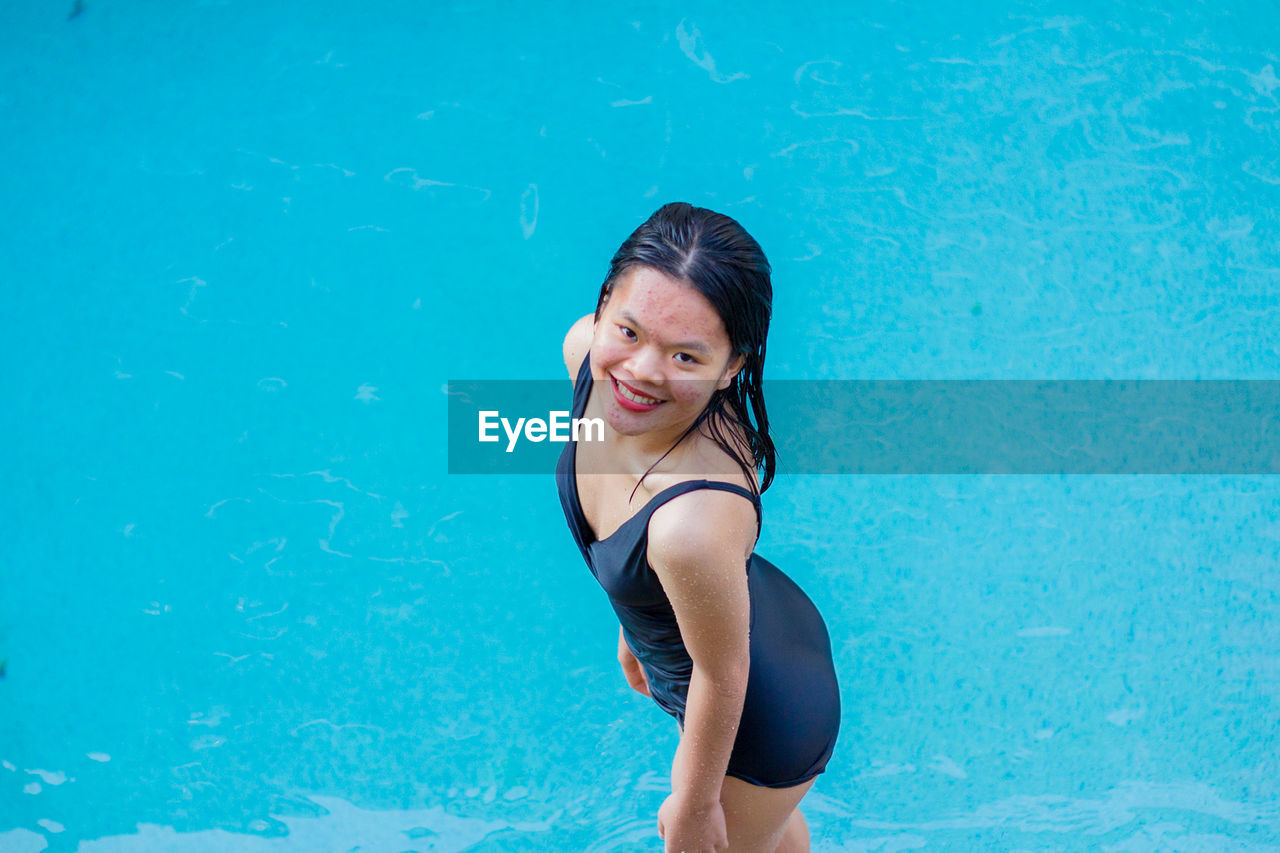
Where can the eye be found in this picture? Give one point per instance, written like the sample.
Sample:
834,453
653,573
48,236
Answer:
691,359
627,333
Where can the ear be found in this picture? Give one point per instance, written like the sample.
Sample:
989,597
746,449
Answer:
735,366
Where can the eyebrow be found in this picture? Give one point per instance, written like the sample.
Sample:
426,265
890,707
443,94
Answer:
696,346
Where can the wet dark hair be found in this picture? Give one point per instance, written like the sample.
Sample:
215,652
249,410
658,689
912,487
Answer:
726,265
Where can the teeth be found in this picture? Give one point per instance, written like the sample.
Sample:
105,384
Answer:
635,398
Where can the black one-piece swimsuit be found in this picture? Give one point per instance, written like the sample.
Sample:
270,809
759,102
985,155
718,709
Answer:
791,713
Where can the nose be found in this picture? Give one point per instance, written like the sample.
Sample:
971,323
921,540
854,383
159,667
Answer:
646,366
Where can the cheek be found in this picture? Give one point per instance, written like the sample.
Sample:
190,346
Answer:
605,354
693,393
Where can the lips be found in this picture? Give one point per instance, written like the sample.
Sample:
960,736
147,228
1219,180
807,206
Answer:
631,399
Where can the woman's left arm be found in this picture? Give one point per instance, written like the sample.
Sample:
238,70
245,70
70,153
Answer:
698,546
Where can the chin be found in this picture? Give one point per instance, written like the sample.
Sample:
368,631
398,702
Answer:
624,425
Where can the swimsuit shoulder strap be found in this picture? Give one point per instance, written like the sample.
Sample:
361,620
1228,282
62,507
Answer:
693,485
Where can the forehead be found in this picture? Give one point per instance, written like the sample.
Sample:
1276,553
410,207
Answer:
667,308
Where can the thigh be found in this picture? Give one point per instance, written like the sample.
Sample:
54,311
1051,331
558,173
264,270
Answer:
757,816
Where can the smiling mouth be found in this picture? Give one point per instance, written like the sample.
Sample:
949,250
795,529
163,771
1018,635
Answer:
633,396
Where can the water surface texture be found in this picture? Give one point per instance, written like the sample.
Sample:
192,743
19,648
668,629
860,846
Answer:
245,245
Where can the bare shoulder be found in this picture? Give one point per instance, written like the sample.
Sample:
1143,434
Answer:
577,343
707,530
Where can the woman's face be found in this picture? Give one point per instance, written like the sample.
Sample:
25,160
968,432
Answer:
660,351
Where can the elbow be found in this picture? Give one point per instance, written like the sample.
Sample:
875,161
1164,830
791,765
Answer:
728,675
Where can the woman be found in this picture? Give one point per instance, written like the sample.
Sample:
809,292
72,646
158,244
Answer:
671,361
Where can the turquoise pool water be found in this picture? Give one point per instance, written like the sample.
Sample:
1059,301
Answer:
242,605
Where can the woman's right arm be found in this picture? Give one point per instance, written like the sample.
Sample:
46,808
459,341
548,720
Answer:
631,667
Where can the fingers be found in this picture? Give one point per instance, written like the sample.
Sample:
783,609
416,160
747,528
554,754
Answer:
635,676
631,667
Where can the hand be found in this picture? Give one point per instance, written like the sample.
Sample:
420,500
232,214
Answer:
631,667
689,827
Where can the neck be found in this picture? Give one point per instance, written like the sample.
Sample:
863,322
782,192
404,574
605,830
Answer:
634,454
